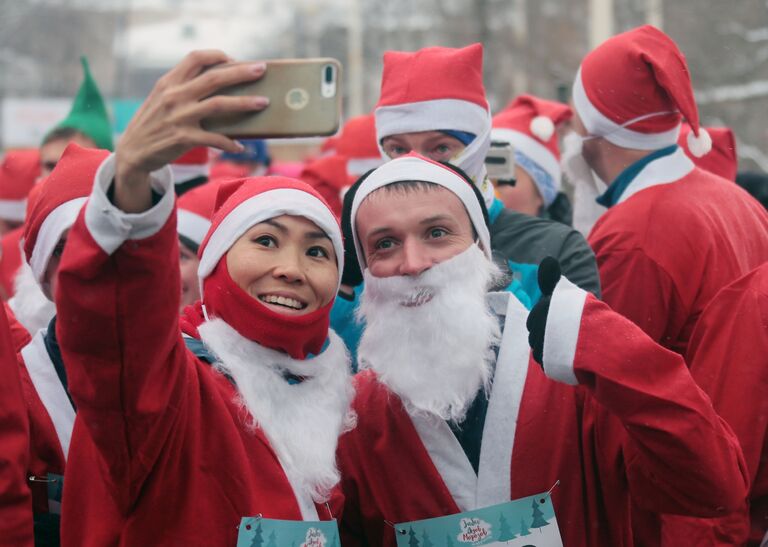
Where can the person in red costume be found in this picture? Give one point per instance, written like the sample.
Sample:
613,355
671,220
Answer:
453,415
234,409
15,499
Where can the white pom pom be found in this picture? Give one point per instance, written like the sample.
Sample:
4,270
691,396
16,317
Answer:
543,128
698,146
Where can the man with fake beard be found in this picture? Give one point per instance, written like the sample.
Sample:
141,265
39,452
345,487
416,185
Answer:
454,416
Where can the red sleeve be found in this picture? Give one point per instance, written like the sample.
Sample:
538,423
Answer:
638,288
117,302
15,496
20,337
680,456
727,357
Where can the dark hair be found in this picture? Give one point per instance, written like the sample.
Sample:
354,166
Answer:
64,133
352,274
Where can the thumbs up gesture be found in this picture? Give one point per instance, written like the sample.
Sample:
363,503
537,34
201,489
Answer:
548,276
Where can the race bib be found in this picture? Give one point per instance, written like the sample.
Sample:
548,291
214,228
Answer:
523,522
261,532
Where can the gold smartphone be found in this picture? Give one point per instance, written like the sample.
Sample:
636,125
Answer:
304,101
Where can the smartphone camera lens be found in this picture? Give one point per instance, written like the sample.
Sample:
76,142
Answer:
328,74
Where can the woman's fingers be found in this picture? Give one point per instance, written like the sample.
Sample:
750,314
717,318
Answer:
192,65
217,78
223,104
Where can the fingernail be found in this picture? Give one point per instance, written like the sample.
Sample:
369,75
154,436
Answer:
260,102
240,146
259,68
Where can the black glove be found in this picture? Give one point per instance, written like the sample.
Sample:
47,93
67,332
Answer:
549,275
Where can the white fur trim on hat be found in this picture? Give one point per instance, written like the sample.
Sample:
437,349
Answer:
435,115
192,226
55,224
701,145
13,209
597,124
261,207
416,169
439,115
531,148
542,128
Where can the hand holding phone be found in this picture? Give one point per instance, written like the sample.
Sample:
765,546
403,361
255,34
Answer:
168,122
304,100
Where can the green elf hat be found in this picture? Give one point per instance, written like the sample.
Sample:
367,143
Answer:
89,114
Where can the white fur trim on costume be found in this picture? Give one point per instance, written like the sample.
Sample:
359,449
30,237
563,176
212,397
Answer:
31,307
449,459
413,168
111,227
600,125
664,170
701,145
542,128
185,172
302,422
192,226
55,224
13,209
562,331
50,389
261,207
493,483
531,148
360,166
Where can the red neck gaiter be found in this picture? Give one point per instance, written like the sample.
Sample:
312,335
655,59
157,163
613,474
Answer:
297,336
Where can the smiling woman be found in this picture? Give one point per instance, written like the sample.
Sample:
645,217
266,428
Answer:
287,263
250,384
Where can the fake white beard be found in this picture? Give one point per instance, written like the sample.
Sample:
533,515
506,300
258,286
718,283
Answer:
29,304
303,421
587,186
430,338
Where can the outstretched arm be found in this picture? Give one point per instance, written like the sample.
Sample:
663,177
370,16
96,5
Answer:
118,290
680,455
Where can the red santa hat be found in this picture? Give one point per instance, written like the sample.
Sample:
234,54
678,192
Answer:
18,174
239,206
438,89
191,165
528,123
328,147
194,210
329,177
243,203
633,90
58,202
414,167
357,142
723,159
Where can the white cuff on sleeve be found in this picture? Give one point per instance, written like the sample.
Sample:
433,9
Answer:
110,226
562,331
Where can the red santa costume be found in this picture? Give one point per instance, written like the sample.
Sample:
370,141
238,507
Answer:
15,499
726,355
608,417
54,209
186,447
674,234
